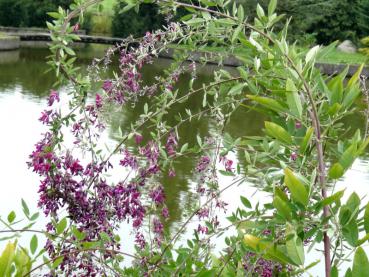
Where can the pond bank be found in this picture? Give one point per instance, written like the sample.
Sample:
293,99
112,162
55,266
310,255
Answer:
9,42
326,68
34,37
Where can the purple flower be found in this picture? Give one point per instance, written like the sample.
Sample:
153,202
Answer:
140,240
54,96
76,28
158,226
165,212
157,195
202,229
45,117
98,101
169,87
128,160
203,213
171,144
293,156
107,86
298,125
203,163
227,163
138,138
172,173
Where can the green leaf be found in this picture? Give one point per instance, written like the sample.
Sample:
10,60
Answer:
349,156
296,187
278,132
34,216
311,54
33,244
360,266
11,216
351,233
184,147
236,33
22,262
334,271
293,98
335,87
354,79
25,208
344,215
353,203
57,262
207,273
282,207
194,21
333,198
260,12
246,202
366,218
268,103
272,6
348,273
363,240
6,259
226,173
336,171
307,138
60,227
351,95
295,248
237,89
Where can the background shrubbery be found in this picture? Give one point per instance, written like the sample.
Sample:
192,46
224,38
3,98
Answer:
136,24
313,21
28,13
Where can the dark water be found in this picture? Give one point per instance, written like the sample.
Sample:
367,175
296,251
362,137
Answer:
24,87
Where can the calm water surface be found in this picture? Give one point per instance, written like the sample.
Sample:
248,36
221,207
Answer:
24,88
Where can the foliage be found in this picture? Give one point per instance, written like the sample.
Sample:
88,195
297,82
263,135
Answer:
14,261
12,13
365,43
326,21
363,17
27,13
302,152
136,23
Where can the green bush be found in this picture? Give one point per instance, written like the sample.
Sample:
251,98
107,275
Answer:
136,24
323,20
28,13
363,17
12,13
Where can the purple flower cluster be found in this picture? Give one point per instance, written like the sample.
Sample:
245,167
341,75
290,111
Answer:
203,164
128,160
227,163
157,195
260,266
171,144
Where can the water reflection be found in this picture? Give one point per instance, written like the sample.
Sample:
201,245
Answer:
24,85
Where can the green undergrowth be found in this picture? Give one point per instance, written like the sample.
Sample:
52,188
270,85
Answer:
334,57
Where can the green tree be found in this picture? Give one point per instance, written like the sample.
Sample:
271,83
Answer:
136,23
363,17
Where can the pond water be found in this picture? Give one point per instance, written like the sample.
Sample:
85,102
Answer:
24,88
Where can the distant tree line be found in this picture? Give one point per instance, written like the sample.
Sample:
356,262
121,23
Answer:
312,21
28,13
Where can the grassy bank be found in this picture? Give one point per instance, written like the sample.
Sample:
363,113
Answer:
334,57
101,18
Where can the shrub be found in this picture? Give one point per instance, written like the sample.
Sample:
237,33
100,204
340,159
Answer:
28,13
296,160
136,23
